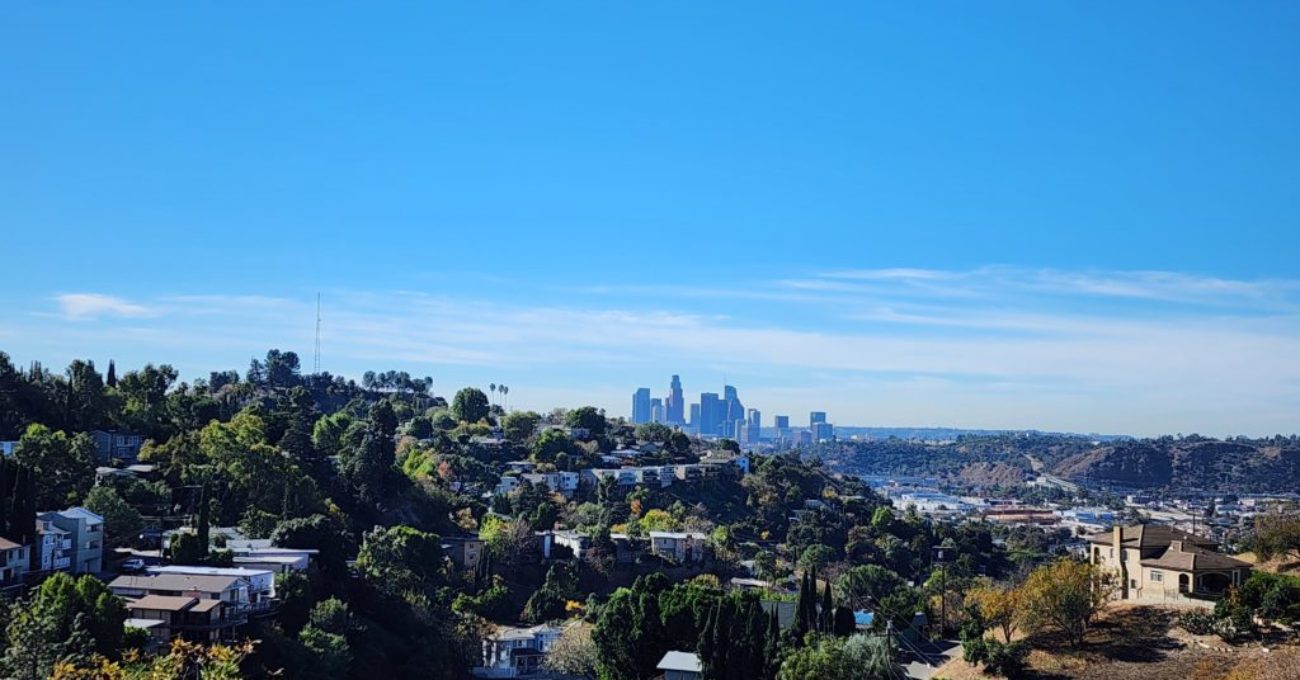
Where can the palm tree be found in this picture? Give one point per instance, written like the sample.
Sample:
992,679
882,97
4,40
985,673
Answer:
504,392
493,387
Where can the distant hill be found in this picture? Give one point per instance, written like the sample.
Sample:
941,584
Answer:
1194,463
1203,464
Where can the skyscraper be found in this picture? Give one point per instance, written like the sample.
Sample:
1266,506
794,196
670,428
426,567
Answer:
695,418
753,426
711,413
823,432
733,410
782,428
641,406
674,404
816,417
656,410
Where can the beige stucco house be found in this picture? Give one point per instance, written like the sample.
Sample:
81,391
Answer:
1157,563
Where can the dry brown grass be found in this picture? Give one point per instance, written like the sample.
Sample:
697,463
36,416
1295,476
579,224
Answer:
1144,643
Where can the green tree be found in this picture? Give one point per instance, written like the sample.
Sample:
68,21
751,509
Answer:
520,425
816,556
66,619
615,637
829,658
400,558
64,465
470,405
122,523
1064,596
87,405
589,418
550,444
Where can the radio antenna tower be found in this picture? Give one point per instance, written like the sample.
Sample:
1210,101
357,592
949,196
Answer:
316,361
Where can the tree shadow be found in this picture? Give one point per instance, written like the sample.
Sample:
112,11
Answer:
1130,635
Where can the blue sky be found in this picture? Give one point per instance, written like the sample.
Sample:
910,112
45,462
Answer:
1056,215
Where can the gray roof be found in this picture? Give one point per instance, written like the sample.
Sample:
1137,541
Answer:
1150,536
177,582
79,512
680,661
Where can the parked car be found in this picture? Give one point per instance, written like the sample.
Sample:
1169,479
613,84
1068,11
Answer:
134,565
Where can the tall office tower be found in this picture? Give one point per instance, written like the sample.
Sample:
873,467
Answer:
641,406
695,418
733,411
675,404
782,428
656,410
711,414
803,438
816,417
823,432
753,426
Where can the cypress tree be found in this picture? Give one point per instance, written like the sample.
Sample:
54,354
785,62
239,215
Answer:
705,647
111,379
755,639
824,617
772,648
801,607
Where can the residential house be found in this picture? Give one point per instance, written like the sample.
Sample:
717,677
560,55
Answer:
257,586
681,666
110,445
86,530
506,484
689,472
261,554
53,547
679,546
14,562
1160,563
464,551
193,618
565,483
512,652
240,596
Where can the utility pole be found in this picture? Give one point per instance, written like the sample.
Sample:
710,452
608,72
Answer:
316,361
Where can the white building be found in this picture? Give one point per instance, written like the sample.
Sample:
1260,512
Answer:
86,531
53,547
679,546
512,652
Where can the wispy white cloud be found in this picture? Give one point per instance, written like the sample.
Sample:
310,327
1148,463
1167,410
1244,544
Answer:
78,306
1003,348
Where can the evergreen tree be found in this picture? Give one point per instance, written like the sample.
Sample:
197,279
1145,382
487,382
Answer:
111,378
772,647
825,617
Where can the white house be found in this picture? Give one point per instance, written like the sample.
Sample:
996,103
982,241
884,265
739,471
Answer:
679,546
86,531
511,652
53,547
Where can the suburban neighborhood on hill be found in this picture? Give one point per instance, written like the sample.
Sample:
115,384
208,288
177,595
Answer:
277,523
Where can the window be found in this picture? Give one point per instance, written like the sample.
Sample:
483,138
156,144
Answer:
1133,583
1157,577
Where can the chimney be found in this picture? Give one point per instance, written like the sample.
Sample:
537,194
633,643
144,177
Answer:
1117,536
1176,546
